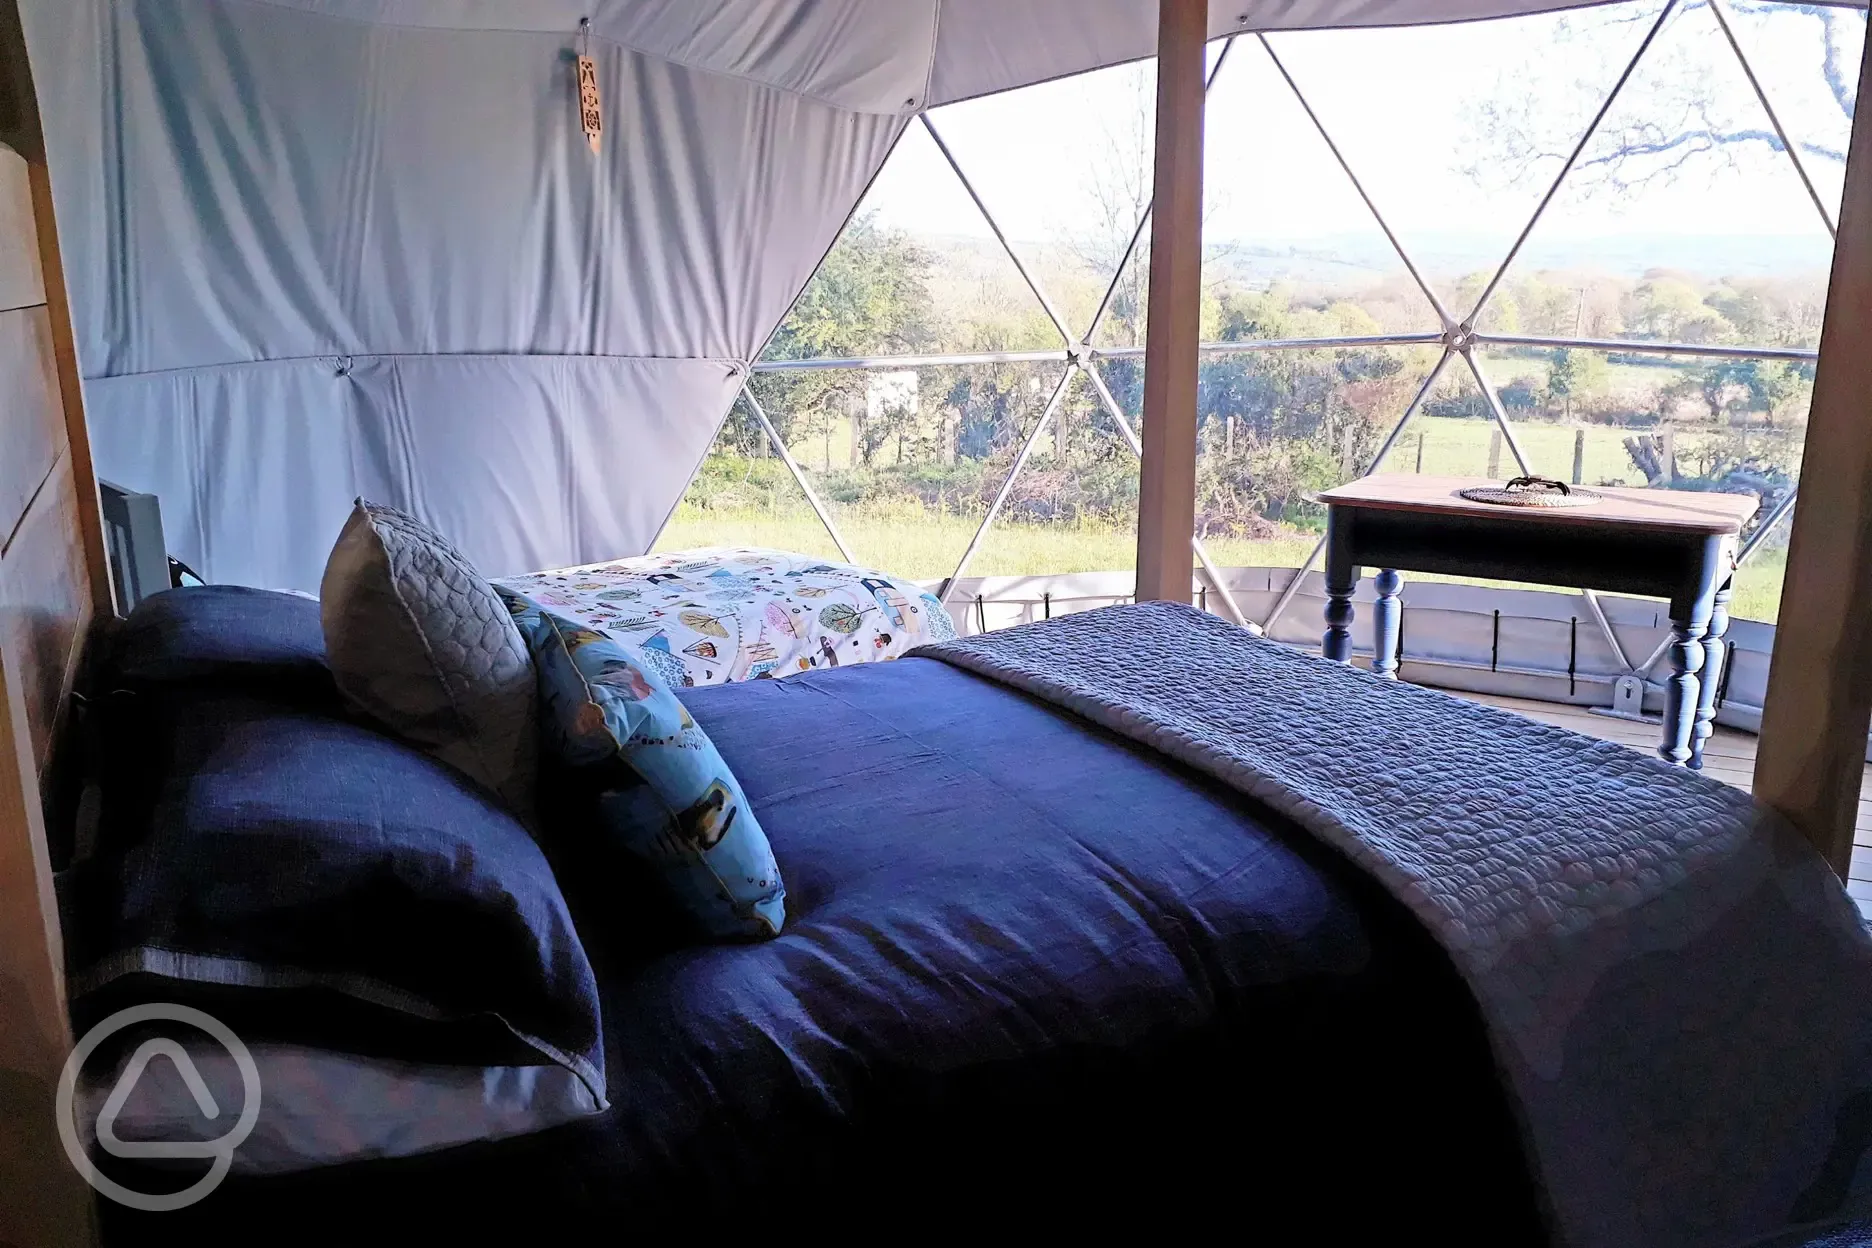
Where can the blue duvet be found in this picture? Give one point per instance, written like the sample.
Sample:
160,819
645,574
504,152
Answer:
1028,968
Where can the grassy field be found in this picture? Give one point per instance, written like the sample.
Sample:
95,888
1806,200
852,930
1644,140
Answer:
1455,447
907,541
928,549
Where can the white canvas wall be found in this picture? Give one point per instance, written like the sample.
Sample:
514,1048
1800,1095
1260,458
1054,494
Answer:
313,257
327,247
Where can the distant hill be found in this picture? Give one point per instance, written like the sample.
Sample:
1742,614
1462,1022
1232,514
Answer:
1339,258
979,296
1353,259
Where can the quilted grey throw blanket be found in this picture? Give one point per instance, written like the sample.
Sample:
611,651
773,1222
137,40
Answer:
1677,990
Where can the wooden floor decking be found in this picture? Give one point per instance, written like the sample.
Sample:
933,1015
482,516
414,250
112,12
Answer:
1729,757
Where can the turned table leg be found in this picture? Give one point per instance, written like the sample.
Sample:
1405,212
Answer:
1711,675
1681,687
1387,623
1340,582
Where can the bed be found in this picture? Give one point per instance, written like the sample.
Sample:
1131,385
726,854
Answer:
1083,919
1077,991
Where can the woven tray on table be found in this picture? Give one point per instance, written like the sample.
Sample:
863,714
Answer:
1531,492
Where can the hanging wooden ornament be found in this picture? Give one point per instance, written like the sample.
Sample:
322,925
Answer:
591,111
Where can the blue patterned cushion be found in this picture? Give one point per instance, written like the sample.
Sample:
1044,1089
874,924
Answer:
664,794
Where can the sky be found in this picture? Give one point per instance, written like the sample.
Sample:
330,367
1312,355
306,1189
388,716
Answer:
1406,108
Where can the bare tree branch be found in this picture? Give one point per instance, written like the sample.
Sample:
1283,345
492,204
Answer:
1687,121
1650,140
1841,40
1117,181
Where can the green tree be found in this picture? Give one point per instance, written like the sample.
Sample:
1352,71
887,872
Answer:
870,297
1575,375
1766,386
1669,307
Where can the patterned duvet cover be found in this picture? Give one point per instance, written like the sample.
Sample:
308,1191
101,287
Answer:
706,617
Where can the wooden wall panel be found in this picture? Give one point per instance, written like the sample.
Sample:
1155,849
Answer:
21,284
35,427
42,1199
70,389
52,580
45,606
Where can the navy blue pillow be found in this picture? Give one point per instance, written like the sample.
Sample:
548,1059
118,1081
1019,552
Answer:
307,879
174,646
255,640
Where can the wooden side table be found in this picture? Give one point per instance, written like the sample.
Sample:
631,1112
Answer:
1675,544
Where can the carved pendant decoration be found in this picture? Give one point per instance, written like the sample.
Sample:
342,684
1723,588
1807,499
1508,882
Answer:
591,112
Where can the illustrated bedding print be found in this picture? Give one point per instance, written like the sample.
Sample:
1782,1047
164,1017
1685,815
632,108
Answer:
707,617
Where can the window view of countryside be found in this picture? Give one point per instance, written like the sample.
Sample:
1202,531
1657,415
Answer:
1681,220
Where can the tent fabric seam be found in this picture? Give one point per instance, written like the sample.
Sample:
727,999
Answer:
734,366
929,71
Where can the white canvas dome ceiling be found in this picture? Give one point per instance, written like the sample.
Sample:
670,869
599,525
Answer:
318,248
885,56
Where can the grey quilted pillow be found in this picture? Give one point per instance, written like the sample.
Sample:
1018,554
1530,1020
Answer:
418,641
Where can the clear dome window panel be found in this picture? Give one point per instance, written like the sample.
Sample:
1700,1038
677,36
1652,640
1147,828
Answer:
1065,169
1290,250
1276,427
1450,128
1806,58
906,460
744,495
1121,324
1683,221
1640,419
1074,508
916,271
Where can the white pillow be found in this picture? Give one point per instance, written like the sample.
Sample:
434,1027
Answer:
320,1108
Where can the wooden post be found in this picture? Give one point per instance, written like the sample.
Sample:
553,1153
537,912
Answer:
1667,455
1420,442
71,392
46,1202
1167,484
1494,453
42,1198
1819,701
1579,456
